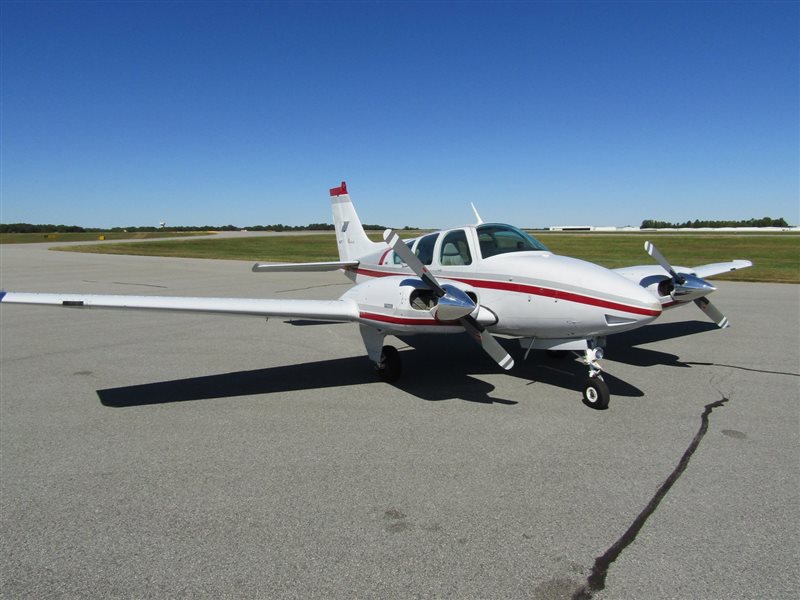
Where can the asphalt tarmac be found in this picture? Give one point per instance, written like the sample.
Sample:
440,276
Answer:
174,455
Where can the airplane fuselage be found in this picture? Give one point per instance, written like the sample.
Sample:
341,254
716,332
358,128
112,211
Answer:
521,288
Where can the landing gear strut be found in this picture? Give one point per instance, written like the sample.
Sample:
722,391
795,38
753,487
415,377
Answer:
389,367
595,390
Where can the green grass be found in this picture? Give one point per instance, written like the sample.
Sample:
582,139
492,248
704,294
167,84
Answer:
289,248
776,258
36,238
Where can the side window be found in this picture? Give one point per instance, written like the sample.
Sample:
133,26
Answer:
496,238
425,248
455,249
396,259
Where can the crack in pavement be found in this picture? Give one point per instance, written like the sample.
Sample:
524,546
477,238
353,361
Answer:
708,364
127,283
597,579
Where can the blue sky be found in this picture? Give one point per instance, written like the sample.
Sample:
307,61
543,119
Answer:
541,113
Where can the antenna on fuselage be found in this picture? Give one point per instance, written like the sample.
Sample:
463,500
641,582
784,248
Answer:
477,216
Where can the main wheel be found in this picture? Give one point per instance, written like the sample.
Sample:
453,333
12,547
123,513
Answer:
390,367
596,394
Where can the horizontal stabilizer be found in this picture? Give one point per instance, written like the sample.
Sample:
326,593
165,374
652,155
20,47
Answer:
303,267
329,310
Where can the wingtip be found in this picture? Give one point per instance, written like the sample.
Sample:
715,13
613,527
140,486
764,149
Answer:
2,295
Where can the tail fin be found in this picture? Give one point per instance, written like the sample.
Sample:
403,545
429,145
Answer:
351,240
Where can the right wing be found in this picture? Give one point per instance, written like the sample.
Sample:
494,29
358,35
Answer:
323,310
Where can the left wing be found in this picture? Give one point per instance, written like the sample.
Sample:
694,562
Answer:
327,310
723,267
646,275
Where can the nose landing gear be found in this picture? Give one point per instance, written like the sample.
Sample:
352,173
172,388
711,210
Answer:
595,390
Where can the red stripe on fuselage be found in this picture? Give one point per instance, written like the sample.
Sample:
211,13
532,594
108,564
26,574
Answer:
535,290
370,273
398,320
559,295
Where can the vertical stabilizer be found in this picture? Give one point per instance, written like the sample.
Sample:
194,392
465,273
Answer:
351,239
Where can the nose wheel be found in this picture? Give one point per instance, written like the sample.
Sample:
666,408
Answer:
595,393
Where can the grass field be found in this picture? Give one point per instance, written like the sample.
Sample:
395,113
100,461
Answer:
776,258
36,238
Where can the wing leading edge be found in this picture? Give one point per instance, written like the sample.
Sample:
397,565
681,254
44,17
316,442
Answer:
329,310
719,268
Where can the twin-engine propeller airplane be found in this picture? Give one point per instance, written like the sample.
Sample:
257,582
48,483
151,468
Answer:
484,279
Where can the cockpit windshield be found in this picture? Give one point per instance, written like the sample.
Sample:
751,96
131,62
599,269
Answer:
500,239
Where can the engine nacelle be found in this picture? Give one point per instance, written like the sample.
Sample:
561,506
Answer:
413,300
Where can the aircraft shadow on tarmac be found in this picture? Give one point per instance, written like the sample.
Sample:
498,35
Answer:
626,347
427,384
435,368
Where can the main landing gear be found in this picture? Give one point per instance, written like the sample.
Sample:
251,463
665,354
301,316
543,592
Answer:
389,367
387,361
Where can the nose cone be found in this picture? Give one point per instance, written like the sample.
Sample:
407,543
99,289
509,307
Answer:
636,306
598,301
642,302
623,301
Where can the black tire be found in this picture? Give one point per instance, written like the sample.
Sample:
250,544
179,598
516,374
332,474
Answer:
391,366
557,354
596,394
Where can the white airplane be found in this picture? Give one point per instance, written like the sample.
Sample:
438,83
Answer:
484,279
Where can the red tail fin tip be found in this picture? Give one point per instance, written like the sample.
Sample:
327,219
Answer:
339,191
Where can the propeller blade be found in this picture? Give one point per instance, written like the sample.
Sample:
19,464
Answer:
488,342
653,251
712,312
408,257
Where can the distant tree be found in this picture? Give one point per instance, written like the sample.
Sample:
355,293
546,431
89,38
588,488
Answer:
697,223
31,228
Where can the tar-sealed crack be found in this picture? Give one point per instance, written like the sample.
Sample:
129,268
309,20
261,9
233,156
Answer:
597,579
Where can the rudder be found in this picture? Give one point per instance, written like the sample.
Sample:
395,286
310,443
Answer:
351,240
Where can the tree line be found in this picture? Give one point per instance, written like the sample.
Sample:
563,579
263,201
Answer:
31,228
764,222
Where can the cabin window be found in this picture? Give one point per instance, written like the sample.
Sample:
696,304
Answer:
500,239
425,248
396,257
455,249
